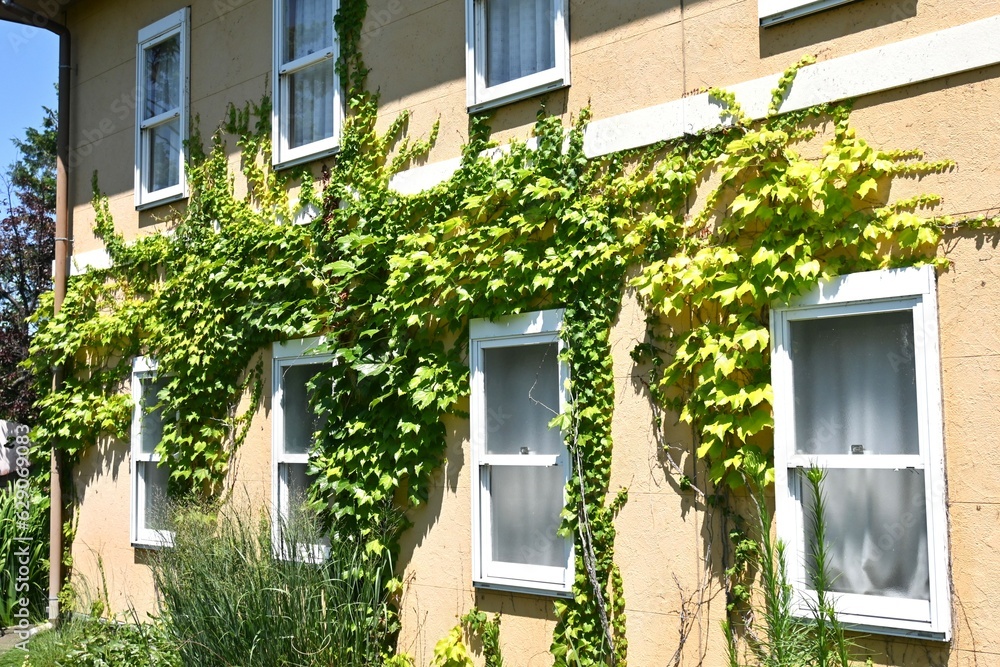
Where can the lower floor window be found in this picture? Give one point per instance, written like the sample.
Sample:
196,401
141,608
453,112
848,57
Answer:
521,465
150,474
856,375
298,366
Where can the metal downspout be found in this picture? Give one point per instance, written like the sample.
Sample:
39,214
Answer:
59,279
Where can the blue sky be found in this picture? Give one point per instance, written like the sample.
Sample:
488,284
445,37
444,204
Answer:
29,65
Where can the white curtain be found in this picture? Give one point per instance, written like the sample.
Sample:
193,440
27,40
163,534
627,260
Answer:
163,94
855,384
156,478
526,503
309,29
308,26
876,532
520,37
522,397
855,393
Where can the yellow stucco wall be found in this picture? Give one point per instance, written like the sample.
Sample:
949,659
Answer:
625,55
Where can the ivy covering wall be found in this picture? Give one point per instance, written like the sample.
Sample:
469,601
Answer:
392,280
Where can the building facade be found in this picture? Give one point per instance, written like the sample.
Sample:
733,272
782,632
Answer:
919,521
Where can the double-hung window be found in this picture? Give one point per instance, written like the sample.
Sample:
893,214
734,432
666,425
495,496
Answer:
514,49
308,105
771,12
149,476
521,466
297,364
161,125
856,376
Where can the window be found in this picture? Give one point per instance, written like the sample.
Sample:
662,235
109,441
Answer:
779,11
520,465
161,125
294,424
514,49
856,375
308,110
149,477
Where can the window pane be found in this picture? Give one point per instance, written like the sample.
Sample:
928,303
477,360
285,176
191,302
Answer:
295,485
300,423
526,503
520,39
155,478
152,421
164,161
855,384
522,397
876,529
311,104
308,27
163,77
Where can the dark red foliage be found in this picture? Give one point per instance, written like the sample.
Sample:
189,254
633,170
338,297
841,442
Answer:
27,248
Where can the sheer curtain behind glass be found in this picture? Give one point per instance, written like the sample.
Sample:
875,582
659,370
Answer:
308,31
300,426
155,477
854,382
520,39
163,96
522,397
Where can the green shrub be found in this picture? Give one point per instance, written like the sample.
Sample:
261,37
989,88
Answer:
24,547
228,602
91,642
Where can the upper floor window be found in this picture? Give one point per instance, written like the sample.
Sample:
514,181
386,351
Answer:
161,125
778,11
521,466
149,476
514,49
308,106
856,376
297,367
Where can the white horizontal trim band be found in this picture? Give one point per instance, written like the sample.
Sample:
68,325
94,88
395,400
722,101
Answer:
924,58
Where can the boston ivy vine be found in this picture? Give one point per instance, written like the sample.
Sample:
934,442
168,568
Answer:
392,282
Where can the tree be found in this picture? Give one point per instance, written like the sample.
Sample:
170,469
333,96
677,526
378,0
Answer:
27,248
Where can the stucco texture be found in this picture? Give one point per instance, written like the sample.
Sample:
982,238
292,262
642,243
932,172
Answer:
625,56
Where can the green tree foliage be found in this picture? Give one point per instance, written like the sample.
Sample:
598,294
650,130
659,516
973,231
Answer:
27,248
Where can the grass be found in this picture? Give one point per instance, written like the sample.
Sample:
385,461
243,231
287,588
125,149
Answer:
228,602
18,536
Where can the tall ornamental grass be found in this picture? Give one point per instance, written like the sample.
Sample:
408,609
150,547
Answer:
780,637
24,549
231,597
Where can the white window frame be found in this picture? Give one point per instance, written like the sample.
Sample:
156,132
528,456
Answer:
479,95
143,368
914,290
525,329
178,23
281,155
305,351
772,12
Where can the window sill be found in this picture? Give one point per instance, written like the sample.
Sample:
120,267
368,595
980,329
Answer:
166,542
305,159
523,589
510,98
163,201
775,13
